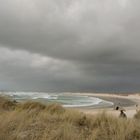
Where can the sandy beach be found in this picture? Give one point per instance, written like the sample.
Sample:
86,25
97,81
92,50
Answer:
128,102
108,104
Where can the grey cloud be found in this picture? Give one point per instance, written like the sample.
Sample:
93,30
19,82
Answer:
99,40
21,70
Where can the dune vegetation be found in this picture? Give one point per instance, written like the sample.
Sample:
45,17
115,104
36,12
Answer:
35,121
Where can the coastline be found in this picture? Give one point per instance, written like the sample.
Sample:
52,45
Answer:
128,102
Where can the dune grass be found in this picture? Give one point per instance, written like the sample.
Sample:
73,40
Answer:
137,115
35,121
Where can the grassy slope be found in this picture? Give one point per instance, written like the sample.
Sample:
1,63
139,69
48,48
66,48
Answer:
34,121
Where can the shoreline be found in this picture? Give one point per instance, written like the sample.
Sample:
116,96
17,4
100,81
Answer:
128,102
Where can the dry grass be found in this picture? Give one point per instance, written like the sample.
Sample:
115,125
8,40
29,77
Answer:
6,104
137,116
34,121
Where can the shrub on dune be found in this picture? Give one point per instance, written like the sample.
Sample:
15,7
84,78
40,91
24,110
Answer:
7,104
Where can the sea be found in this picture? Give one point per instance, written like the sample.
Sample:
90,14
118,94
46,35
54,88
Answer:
65,99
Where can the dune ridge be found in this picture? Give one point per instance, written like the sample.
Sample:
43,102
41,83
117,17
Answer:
35,121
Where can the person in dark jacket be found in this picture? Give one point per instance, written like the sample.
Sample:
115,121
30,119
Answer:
122,114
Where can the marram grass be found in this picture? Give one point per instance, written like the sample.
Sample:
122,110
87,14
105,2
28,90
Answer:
35,121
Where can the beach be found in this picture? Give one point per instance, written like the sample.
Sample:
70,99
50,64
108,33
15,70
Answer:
89,103
128,102
33,120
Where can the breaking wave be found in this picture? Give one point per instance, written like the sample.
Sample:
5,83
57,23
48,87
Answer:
65,100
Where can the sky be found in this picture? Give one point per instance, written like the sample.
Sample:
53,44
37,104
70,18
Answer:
70,45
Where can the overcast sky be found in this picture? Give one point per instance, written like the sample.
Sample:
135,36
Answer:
70,45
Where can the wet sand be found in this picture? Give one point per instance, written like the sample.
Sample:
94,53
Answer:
128,102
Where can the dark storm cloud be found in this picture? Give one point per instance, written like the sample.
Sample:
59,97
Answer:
78,45
21,70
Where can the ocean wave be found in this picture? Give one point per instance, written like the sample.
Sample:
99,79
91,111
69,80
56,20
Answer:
27,95
90,102
65,100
